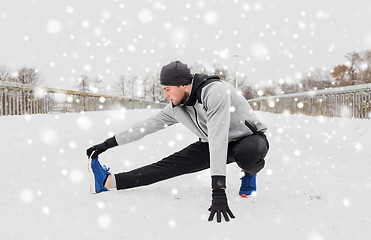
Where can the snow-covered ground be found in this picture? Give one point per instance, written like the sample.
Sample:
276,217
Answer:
316,184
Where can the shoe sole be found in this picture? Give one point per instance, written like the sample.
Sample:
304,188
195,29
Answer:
245,196
91,177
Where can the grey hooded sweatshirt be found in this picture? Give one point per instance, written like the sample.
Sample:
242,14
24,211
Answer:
218,116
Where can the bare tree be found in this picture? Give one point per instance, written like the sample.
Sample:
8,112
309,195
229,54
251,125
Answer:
354,61
27,75
316,80
4,73
249,93
222,73
132,85
121,85
198,68
341,75
157,91
290,88
126,85
153,89
96,85
366,67
84,83
271,90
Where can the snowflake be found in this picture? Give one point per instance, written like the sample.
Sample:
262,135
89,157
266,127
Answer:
172,223
174,191
104,221
26,195
85,123
76,176
145,16
70,10
45,210
53,27
346,202
171,144
211,17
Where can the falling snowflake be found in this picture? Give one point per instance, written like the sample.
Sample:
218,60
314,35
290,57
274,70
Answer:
101,205
45,210
53,27
104,221
297,153
346,202
49,136
174,191
280,130
76,176
64,172
259,50
258,7
315,236
358,146
26,195
70,10
179,36
145,16
85,123
211,17
171,144
172,223
322,14
179,137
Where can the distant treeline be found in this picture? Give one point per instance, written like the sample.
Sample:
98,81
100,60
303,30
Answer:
356,69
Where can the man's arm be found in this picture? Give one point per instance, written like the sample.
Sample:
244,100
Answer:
217,100
159,121
137,131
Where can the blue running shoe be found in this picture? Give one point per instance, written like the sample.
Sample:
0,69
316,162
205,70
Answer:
97,175
248,185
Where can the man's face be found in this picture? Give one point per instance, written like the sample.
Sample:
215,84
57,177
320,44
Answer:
176,94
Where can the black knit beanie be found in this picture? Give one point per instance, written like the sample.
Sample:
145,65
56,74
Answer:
175,74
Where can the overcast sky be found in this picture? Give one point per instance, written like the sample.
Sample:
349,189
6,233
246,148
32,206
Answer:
263,40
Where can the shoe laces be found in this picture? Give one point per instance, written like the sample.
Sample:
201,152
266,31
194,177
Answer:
105,168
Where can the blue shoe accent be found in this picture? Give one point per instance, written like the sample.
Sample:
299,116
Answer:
97,176
248,185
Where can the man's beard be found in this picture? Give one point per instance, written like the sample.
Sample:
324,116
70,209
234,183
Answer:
184,98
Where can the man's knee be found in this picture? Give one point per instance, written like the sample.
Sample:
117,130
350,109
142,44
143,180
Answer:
250,153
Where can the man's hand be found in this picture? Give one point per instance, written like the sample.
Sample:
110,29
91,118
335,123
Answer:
102,147
219,205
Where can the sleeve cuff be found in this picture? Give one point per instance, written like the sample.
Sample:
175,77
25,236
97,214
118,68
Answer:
111,142
218,182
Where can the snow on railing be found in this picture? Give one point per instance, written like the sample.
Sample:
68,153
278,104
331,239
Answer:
346,102
19,99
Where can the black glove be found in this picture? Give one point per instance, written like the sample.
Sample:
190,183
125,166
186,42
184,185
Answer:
102,147
219,205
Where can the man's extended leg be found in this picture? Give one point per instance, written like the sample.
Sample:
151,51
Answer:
249,154
191,159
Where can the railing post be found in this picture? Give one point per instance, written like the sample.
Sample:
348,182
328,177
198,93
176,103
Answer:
6,101
1,102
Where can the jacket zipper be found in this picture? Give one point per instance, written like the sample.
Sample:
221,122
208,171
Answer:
251,127
198,123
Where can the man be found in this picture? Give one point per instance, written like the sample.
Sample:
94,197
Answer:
227,128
